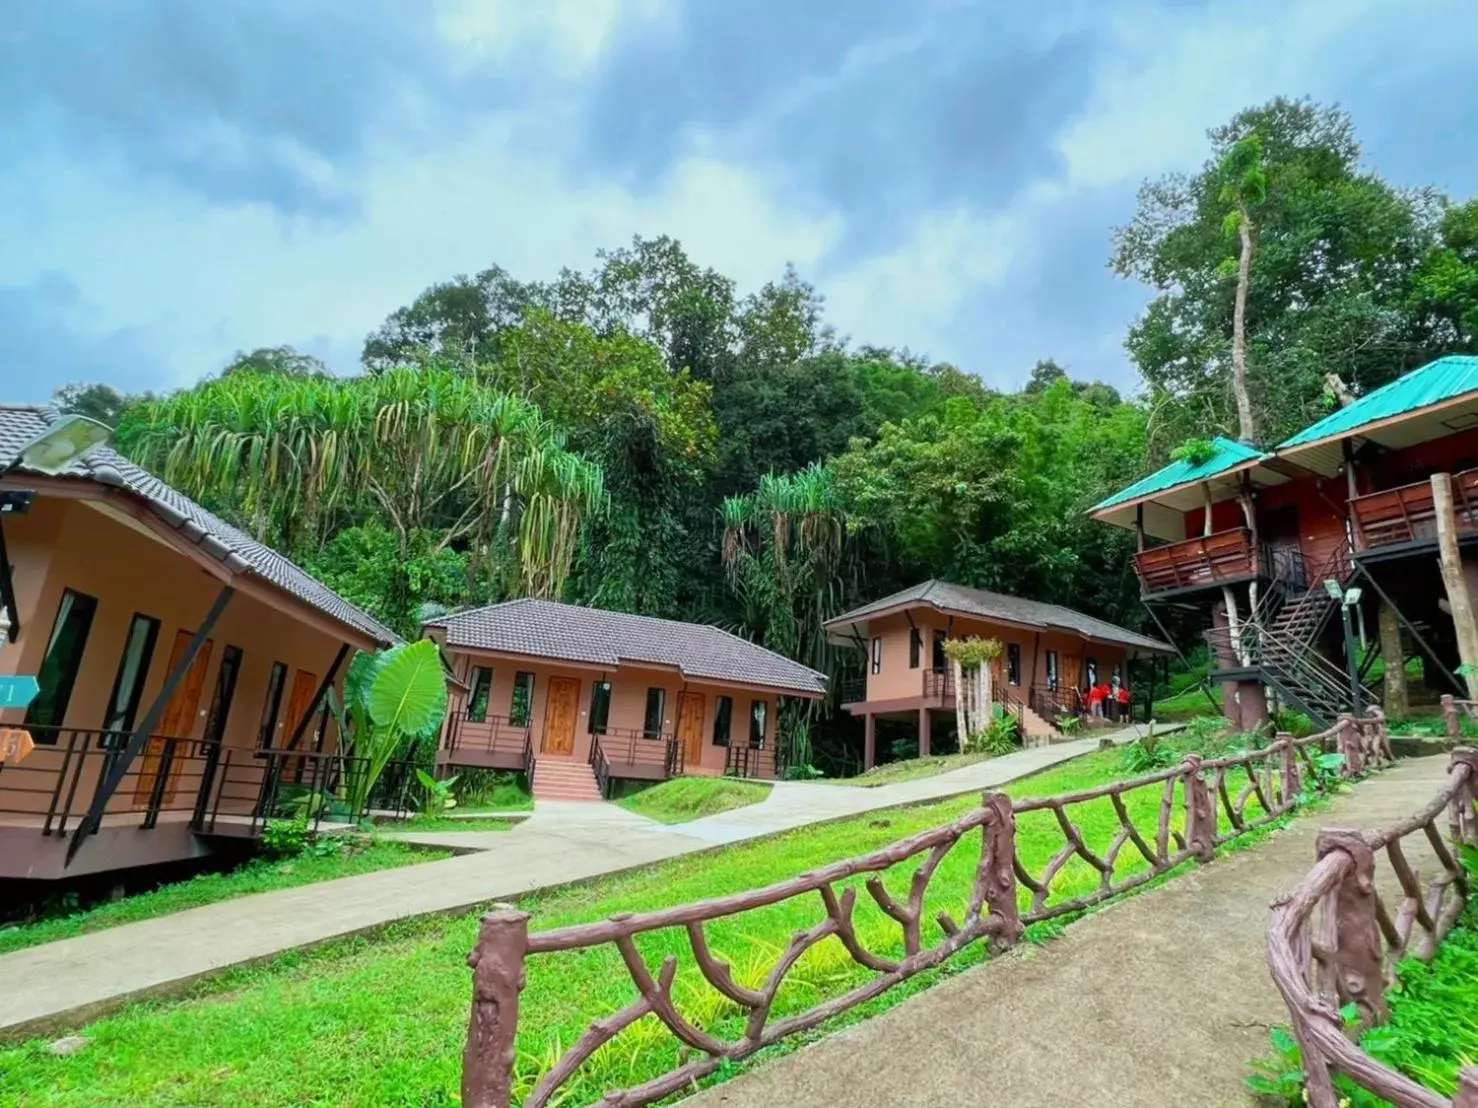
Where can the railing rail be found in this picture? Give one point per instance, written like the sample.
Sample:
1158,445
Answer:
489,735
1334,940
600,764
1203,804
1205,560
939,682
1409,512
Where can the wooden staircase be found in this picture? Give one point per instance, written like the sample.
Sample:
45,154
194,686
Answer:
564,781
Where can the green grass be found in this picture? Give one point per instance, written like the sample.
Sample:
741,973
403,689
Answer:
487,790
440,824
910,769
382,1021
688,798
257,876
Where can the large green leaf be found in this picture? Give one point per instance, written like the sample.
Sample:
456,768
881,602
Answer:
407,695
358,680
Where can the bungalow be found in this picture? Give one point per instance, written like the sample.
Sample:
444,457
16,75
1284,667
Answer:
181,665
1050,655
579,697
1269,544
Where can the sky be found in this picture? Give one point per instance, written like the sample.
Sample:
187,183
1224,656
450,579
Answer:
181,180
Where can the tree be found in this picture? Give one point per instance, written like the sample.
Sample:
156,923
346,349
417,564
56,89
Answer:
283,360
1245,187
97,401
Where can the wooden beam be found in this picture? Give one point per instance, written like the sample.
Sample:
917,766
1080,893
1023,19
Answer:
1451,561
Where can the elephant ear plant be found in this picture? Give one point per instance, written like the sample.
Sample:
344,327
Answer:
392,701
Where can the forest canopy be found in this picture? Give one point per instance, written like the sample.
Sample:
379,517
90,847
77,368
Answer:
639,435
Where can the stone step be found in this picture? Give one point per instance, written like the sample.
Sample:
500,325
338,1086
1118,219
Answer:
559,780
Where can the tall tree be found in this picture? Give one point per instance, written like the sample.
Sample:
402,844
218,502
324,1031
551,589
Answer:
97,401
1245,187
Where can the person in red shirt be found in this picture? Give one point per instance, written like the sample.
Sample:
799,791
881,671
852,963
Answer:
1124,703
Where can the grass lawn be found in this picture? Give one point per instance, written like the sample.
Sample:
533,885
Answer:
910,769
439,824
492,791
382,1021
686,798
257,876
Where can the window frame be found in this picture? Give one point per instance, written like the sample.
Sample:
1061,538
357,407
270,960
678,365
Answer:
723,712
915,647
528,708
646,719
272,705
1090,672
1054,670
1013,664
876,665
605,722
127,715
485,688
759,712
937,659
219,712
55,701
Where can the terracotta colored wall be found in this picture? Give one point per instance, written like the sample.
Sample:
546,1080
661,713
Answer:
629,687
897,681
61,544
1451,453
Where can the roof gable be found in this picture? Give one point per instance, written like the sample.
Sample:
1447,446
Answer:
239,551
1444,379
1229,455
573,633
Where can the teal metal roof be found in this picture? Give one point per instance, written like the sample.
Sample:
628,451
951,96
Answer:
1433,383
1229,455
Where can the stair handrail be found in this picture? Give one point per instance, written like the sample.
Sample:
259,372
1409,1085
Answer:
601,766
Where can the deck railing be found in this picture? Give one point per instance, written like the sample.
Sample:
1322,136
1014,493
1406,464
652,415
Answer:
1202,804
489,735
1334,941
1409,514
1195,563
939,683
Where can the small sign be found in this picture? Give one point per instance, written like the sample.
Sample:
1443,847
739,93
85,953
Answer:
15,744
17,692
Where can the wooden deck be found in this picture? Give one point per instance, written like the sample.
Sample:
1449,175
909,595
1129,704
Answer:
1197,563
1407,514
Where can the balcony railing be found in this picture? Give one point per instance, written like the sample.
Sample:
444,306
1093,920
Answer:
1199,562
1408,513
628,752
939,683
492,735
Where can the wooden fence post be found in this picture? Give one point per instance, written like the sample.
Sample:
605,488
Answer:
1347,742
1358,951
1292,785
1463,812
1450,717
492,1030
996,878
1200,813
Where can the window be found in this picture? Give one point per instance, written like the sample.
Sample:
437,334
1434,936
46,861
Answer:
1013,663
63,660
225,691
915,647
133,670
656,713
1091,669
877,655
723,717
1118,672
600,706
521,707
273,705
757,710
477,699
1052,670
937,661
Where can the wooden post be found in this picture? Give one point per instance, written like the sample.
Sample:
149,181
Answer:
1450,717
1206,492
996,877
926,732
1357,947
1451,561
1347,742
869,741
492,1030
1200,813
1139,526
1467,1089
1292,785
1463,813
1394,698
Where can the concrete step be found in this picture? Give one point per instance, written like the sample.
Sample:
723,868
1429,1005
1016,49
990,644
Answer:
558,780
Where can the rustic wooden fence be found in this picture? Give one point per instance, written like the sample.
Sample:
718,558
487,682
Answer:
1334,941
1204,803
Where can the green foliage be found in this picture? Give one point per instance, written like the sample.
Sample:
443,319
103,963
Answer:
1294,723
1148,753
493,790
974,652
392,701
688,798
285,838
439,796
1001,737
1194,452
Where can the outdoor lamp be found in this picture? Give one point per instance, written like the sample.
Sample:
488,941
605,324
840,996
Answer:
49,453
1331,586
1352,598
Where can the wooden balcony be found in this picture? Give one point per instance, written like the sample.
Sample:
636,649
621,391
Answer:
1198,563
1407,514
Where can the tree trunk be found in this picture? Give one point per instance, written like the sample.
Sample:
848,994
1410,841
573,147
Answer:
1455,581
1234,625
1239,327
1396,702
962,717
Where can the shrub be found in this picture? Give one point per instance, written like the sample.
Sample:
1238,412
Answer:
1148,753
285,838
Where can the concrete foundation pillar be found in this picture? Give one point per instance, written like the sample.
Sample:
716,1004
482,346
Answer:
869,741
926,737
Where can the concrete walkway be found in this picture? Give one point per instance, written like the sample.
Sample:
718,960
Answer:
1159,1000
67,982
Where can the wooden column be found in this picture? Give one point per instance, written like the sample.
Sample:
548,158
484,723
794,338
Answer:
1139,526
925,730
869,741
1451,560
492,1028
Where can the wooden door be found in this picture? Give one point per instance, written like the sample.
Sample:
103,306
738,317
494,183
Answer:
690,707
178,721
1070,681
561,706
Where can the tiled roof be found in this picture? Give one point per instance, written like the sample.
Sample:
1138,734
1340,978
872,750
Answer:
1229,455
242,553
995,605
1445,379
545,629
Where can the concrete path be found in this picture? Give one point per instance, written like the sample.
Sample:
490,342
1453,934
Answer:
67,982
1159,1000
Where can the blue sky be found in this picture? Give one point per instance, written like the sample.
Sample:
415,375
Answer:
182,179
